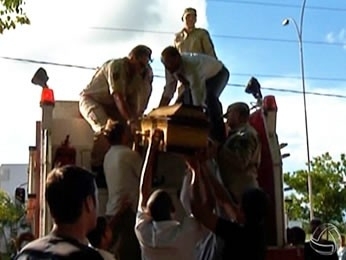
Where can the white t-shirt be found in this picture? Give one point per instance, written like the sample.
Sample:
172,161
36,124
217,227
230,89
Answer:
122,167
197,68
169,240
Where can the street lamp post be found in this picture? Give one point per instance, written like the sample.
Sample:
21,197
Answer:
299,30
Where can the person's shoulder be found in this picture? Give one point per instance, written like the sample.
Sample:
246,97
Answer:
189,223
38,244
106,255
179,36
85,253
129,154
51,247
202,31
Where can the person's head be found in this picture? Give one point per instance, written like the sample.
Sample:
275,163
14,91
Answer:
189,17
71,195
171,59
237,114
254,205
101,235
140,57
314,225
117,133
160,206
298,236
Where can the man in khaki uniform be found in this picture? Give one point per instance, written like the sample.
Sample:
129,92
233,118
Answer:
192,39
119,91
239,157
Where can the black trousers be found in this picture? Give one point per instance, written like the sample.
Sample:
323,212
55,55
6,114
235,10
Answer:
214,88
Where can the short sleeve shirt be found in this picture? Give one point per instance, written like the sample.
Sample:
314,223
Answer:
54,248
169,240
198,41
114,77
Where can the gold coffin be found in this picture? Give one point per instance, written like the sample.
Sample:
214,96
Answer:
185,128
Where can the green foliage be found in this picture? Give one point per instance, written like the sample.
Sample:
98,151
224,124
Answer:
10,212
12,14
328,188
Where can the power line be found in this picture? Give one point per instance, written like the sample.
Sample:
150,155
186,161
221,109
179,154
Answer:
281,76
160,76
323,8
290,77
47,63
223,36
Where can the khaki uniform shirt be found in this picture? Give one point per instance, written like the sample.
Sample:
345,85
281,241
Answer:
198,41
114,77
239,159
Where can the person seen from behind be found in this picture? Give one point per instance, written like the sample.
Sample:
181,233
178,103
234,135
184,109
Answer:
71,195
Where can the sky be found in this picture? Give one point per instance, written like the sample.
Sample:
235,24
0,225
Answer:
249,39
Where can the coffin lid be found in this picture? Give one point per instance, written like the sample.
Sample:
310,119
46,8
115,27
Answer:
179,111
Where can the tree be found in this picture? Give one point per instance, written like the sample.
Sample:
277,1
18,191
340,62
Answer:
328,188
10,212
12,14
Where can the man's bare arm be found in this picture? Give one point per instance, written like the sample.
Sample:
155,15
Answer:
147,170
164,101
123,107
201,211
220,193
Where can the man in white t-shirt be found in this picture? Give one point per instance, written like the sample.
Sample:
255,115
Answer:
159,234
122,171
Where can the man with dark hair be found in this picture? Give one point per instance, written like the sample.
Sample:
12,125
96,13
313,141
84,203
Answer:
319,247
298,236
119,90
122,168
71,195
160,235
206,78
237,237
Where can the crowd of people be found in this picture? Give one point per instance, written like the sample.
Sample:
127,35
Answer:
225,209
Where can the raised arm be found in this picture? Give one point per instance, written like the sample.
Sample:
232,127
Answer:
222,196
186,192
145,185
201,211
